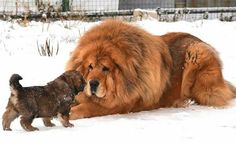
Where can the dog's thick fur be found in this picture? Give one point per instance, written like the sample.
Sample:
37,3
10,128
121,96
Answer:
48,101
130,70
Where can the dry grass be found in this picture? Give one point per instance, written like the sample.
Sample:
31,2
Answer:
47,49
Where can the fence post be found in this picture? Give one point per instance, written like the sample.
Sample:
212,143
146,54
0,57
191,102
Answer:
65,5
16,2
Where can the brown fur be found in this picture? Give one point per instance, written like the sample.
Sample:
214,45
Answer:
48,101
130,70
196,74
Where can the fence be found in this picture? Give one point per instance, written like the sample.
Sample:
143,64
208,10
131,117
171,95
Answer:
115,7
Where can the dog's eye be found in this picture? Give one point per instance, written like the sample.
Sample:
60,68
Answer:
90,67
105,69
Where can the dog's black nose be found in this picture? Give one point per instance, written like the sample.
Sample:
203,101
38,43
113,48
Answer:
94,85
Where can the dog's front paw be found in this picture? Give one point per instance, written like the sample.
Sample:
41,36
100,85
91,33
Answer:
75,113
75,116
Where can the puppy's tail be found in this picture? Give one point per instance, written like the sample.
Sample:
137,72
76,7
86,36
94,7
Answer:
14,82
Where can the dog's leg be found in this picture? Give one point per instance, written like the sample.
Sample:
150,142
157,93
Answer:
191,65
26,122
208,86
47,122
188,80
90,109
87,108
9,115
64,119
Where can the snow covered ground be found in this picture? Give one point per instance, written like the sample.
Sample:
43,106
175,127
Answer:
192,125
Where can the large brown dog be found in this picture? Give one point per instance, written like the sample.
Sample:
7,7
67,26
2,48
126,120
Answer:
130,70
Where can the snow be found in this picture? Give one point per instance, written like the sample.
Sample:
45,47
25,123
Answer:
194,124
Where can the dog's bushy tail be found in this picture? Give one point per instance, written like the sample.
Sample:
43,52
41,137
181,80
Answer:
232,88
14,82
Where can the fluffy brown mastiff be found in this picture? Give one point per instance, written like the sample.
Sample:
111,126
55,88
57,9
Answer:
48,101
130,70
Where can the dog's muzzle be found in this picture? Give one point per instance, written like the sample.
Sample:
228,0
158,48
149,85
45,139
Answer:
93,86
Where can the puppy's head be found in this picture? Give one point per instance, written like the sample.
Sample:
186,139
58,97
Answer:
75,81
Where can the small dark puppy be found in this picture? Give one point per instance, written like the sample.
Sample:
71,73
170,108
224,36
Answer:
48,101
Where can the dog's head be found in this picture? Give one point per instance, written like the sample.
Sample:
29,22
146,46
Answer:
99,76
106,70
73,80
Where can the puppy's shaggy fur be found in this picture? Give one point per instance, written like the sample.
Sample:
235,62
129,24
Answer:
48,101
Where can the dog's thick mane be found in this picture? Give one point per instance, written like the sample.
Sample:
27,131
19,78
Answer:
150,71
129,48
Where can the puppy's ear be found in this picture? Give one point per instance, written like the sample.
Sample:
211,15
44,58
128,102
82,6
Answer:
77,81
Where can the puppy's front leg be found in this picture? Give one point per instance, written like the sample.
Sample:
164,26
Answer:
64,119
47,122
26,122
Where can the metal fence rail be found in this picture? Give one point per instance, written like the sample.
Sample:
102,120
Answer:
112,7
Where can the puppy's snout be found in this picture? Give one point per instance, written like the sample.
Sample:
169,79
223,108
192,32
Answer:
94,85
81,87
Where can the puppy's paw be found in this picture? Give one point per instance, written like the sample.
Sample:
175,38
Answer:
31,128
34,129
69,125
50,125
47,122
27,126
7,129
